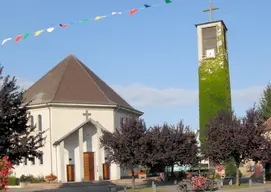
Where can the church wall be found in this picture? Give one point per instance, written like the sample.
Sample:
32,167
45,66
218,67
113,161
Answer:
65,119
38,169
118,115
71,155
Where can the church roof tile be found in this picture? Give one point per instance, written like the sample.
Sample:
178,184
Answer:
73,82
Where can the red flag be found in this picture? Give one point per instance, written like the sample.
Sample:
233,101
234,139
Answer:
133,11
63,25
18,38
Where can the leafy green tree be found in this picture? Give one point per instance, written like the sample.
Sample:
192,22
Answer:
17,139
265,103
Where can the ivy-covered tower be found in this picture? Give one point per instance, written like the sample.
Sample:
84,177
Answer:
214,77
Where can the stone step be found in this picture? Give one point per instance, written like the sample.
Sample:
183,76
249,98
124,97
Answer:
43,185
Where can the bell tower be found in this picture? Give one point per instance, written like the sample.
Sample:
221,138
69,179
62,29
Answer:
214,77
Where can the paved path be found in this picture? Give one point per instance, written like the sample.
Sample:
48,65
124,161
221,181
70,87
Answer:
70,189
104,188
263,188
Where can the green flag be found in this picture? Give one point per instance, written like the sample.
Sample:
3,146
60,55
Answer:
26,36
84,20
168,1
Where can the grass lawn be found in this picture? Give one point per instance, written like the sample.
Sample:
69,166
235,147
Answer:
236,187
147,190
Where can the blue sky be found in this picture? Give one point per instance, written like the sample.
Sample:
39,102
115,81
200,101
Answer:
150,58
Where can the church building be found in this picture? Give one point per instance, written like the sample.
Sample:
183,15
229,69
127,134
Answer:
73,105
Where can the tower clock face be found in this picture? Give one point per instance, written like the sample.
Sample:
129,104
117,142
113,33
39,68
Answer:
210,53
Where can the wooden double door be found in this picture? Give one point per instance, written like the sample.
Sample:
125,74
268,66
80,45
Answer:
89,168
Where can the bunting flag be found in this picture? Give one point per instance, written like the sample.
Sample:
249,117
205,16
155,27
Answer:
26,36
64,25
98,18
146,6
18,38
116,13
38,33
50,29
133,11
5,40
84,20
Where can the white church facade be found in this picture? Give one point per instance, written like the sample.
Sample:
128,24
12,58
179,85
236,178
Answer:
72,105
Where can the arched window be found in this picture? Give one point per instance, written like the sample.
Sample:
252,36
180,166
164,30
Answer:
40,122
40,130
31,121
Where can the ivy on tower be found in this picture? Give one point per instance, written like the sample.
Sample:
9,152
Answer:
214,77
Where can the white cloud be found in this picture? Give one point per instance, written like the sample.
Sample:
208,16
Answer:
140,95
145,96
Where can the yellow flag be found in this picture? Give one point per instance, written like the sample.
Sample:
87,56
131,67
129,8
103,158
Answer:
98,17
38,32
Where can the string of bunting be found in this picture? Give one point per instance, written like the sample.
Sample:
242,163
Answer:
65,25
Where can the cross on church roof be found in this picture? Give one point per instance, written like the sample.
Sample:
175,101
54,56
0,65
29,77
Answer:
211,9
87,114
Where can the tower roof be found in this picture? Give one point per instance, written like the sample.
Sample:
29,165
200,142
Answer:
71,81
211,22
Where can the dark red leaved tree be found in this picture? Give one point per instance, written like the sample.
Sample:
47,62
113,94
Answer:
124,146
240,139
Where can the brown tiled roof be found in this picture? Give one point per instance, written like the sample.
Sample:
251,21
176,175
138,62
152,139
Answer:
72,82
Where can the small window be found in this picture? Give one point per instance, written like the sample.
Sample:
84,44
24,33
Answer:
31,121
40,127
40,122
41,159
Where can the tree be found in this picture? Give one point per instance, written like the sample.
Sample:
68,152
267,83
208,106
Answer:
17,139
239,139
125,145
170,145
265,103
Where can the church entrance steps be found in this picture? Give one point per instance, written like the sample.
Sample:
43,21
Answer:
43,185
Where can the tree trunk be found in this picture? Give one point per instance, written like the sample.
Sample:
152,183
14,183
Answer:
133,178
237,175
172,170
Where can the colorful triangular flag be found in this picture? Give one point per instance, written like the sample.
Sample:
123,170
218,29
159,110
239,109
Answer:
146,6
5,40
98,18
133,11
50,29
26,36
116,13
168,1
63,25
18,38
38,32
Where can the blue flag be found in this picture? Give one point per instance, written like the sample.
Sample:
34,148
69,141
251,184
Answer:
147,6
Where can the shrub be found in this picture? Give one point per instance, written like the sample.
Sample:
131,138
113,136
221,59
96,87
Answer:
5,170
31,179
13,181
